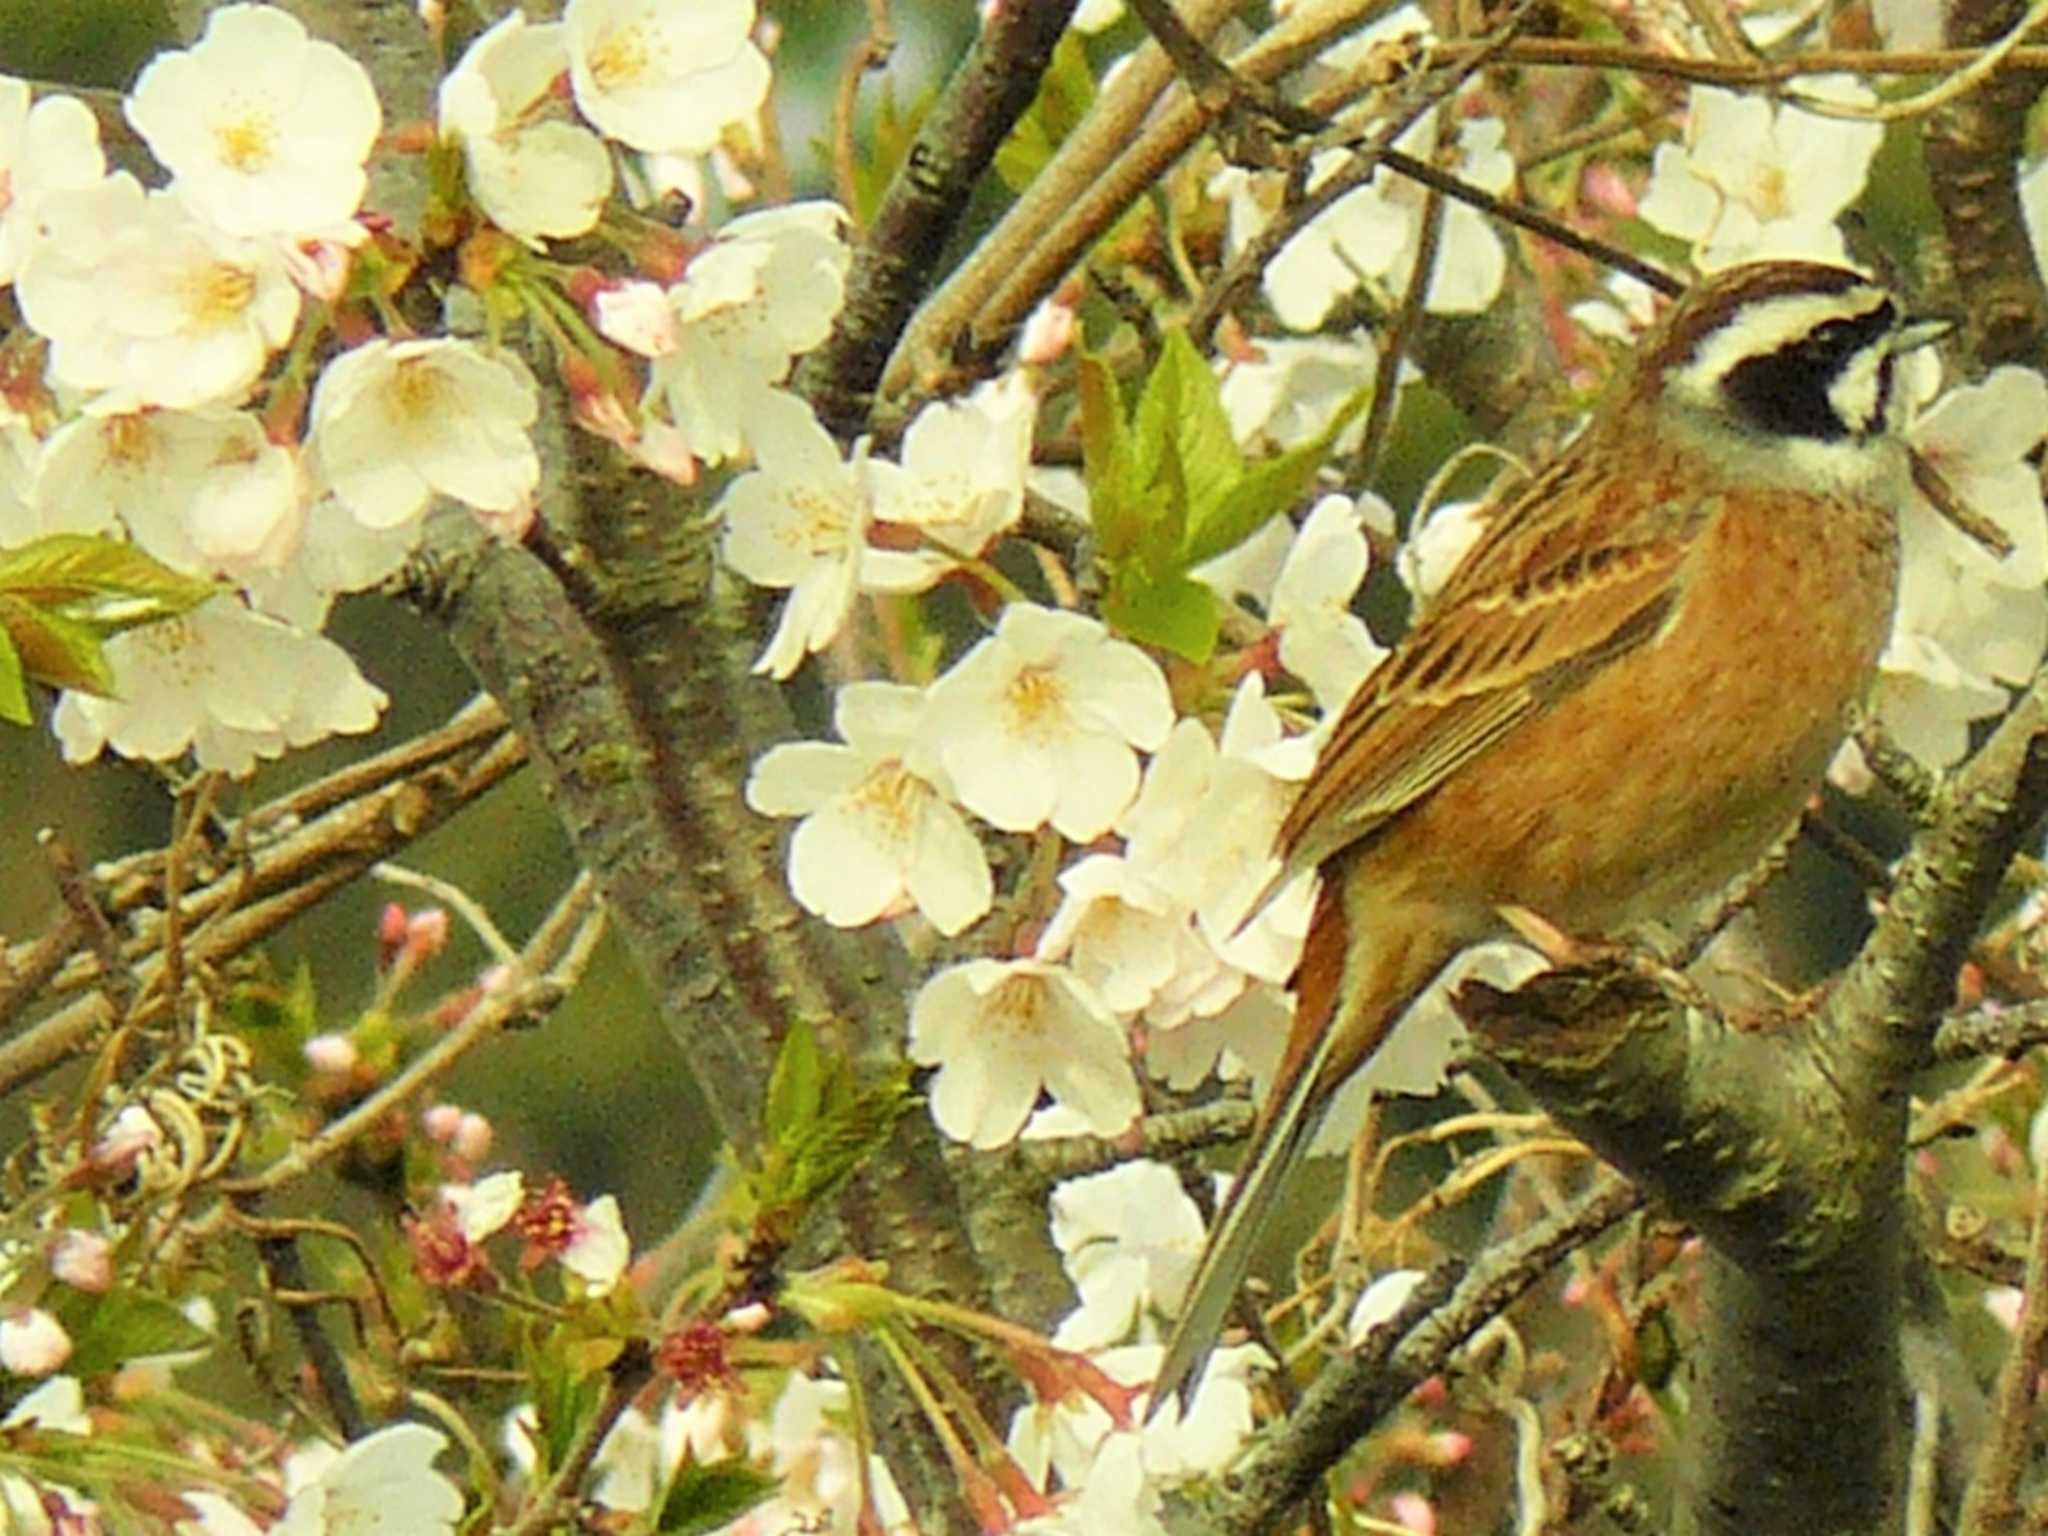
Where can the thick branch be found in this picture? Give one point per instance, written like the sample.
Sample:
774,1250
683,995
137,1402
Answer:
1973,150
990,90
625,671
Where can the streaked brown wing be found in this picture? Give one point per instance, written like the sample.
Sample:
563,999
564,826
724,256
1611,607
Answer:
1537,607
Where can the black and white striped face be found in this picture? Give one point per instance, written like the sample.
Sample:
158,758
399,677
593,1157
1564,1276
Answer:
1790,351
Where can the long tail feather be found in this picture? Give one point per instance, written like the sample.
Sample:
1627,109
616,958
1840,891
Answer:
1276,1147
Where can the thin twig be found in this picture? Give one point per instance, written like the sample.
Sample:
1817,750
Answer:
544,974
1453,1303
1970,77
1992,1505
871,53
633,1369
1386,384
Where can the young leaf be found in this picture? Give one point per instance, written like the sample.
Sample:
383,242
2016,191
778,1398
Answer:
54,649
708,1495
13,685
1174,612
1065,92
122,1325
99,581
1264,490
1182,409
796,1086
1113,494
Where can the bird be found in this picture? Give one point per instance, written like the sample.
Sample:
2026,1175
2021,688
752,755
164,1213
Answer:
1619,699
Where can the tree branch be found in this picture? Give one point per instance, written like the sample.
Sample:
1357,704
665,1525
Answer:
893,268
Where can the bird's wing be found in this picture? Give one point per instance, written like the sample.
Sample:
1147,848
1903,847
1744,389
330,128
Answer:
1552,592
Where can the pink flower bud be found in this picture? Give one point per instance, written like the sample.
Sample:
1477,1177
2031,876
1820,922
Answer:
83,1260
441,1121
639,317
1414,1512
1047,334
133,1133
473,1137
426,933
332,1054
32,1343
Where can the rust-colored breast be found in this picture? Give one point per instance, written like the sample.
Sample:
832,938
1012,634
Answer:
1675,766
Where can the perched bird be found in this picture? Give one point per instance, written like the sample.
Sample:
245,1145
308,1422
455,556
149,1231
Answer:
1620,698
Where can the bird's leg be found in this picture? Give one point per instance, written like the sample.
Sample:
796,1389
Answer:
1647,949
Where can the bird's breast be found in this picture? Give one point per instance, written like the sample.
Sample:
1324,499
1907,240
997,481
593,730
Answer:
1678,765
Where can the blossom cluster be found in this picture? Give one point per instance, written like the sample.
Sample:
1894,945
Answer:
256,411
1165,944
190,418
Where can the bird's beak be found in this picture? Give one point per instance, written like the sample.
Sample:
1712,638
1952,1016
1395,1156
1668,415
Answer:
1915,334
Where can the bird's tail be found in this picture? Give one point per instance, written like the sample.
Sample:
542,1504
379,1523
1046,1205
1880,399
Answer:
1278,1142
1301,1092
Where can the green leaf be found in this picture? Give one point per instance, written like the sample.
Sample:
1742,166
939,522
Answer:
709,1494
108,1331
1263,490
1106,462
565,1393
796,1088
844,1137
13,684
1181,411
1174,612
100,581
1065,93
889,140
54,649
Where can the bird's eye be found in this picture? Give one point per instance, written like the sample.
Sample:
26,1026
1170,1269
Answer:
1788,392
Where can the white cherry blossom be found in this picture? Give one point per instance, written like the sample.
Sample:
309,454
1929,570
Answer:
1381,1302
483,1208
396,422
1000,1030
798,521
959,481
335,554
536,177
1754,179
1205,824
766,289
1322,641
877,835
1130,1239
1242,1038
662,77
1037,722
1967,621
1436,543
598,1248
383,1482
49,147
1373,233
1289,387
1066,1439
265,129
223,682
1120,932
205,491
200,312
